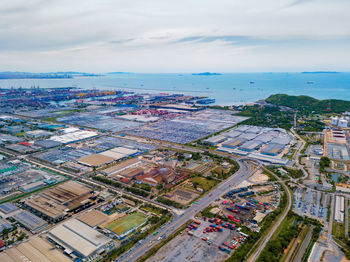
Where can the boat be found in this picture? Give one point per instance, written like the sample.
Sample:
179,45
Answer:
251,82
310,82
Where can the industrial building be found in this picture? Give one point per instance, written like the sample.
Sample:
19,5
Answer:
124,165
36,249
214,140
95,160
35,134
157,176
73,136
339,209
272,149
250,146
7,208
30,221
78,239
234,143
56,203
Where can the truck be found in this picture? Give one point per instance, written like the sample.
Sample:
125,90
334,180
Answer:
250,204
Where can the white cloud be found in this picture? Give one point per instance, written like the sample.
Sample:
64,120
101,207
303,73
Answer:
145,36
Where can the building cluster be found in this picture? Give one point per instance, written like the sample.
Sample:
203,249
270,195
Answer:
262,143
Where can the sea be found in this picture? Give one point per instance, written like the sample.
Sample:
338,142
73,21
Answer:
226,89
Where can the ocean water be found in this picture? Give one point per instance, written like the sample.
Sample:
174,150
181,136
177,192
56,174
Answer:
227,89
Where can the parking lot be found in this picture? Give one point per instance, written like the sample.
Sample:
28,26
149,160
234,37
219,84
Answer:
311,203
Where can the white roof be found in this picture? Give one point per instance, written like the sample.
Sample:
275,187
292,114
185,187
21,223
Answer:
78,236
113,154
124,150
73,136
70,130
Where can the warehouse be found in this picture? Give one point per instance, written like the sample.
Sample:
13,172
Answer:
234,143
339,209
73,136
93,218
95,160
250,146
272,149
4,224
248,136
36,249
55,203
30,221
8,208
80,239
113,154
46,143
38,134
130,163
215,140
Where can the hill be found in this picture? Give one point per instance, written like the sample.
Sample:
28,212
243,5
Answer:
307,104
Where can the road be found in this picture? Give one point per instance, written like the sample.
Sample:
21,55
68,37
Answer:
253,257
141,248
304,245
297,153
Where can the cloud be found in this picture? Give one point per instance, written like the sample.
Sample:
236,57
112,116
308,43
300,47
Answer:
182,35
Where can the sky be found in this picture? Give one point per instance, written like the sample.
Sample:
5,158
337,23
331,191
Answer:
164,36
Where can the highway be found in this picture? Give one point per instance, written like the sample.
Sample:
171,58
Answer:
141,248
267,238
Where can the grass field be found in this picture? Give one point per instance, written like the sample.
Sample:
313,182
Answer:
203,183
124,224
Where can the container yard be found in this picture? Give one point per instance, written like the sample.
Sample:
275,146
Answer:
203,240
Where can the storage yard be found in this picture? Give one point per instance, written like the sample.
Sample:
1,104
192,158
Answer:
190,127
203,240
262,143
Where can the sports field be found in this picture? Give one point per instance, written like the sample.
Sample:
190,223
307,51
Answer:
124,224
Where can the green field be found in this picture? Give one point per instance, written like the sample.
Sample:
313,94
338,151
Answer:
124,224
203,183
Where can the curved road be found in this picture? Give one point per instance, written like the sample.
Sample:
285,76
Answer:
141,248
261,247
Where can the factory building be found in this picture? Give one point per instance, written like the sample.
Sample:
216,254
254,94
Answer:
55,203
80,240
31,222
339,209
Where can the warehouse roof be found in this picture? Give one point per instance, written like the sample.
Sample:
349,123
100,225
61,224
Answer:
250,145
113,154
95,160
122,165
36,249
75,235
30,221
8,208
93,218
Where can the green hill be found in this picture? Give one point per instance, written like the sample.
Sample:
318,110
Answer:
306,104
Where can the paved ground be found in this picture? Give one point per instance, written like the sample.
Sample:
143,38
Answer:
192,248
